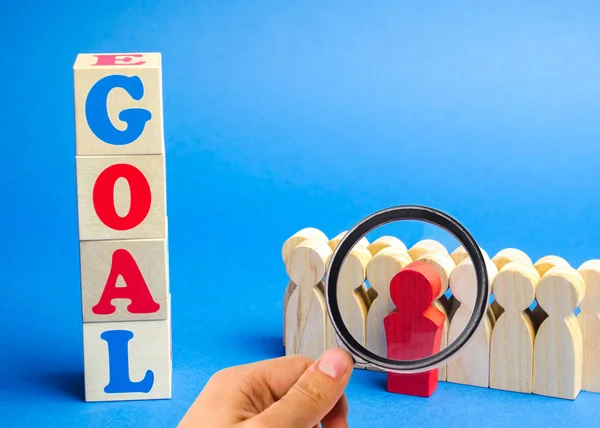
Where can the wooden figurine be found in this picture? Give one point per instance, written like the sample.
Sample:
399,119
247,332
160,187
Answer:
471,366
444,265
589,320
424,246
537,314
459,254
509,255
306,316
288,246
385,242
414,330
380,271
511,347
558,347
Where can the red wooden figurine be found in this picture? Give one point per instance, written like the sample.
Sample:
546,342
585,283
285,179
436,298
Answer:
414,329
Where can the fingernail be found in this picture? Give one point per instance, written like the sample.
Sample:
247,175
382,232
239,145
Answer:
334,363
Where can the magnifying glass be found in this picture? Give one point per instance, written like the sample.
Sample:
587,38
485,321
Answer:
412,330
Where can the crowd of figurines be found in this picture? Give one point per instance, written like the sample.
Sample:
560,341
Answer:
541,334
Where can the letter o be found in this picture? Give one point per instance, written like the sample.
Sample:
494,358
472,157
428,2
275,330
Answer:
104,200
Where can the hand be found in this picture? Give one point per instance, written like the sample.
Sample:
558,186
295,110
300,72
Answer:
290,392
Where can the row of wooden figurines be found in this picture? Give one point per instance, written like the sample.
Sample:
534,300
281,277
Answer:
531,341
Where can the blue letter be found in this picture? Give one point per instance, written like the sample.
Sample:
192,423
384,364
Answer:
96,112
118,365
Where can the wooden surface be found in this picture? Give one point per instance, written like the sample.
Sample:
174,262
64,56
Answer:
414,330
124,280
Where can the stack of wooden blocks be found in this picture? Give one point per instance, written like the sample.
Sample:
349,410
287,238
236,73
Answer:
121,193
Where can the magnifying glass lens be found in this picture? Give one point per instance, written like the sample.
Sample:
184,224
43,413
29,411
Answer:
409,296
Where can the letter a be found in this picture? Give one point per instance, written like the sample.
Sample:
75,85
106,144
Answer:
118,365
136,289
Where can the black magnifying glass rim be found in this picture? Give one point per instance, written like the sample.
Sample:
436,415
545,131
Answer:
406,212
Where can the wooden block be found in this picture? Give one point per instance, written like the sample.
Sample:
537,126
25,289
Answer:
511,344
380,271
124,280
385,242
414,330
472,365
424,246
127,360
558,346
306,314
443,265
118,104
589,320
121,197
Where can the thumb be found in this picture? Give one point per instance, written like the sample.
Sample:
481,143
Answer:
313,396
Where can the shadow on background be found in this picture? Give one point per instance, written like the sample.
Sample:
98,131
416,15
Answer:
69,384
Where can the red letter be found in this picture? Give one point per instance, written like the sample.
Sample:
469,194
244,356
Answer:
126,59
104,197
123,264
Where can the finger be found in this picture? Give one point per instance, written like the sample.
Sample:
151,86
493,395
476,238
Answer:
338,416
279,374
313,396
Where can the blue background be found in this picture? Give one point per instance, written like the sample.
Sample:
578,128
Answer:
282,115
